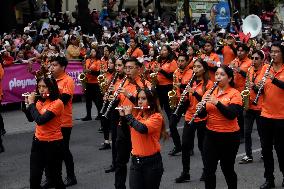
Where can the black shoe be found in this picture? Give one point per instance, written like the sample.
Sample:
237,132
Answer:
87,118
184,177
174,151
70,181
268,184
105,146
191,152
100,130
202,178
246,160
110,169
47,184
2,132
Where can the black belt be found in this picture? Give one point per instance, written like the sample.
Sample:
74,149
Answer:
137,159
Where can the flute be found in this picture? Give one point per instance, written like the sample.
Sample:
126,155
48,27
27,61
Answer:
28,94
135,107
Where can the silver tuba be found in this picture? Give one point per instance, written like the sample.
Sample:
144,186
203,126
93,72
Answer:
252,24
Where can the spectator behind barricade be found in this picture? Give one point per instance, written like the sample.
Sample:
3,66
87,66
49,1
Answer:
7,59
20,57
73,50
41,44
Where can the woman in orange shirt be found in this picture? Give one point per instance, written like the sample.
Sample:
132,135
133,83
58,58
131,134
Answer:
272,114
200,85
222,136
47,145
166,67
146,128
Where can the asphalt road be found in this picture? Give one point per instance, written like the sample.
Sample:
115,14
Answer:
90,162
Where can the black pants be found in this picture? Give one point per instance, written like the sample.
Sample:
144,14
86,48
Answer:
249,118
1,119
188,141
162,91
272,132
123,147
46,154
114,124
67,156
174,120
223,147
93,94
241,124
146,172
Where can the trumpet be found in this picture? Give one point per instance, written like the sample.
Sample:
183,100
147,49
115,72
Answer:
135,107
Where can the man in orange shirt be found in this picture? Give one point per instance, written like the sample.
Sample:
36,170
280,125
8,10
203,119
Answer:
240,66
66,87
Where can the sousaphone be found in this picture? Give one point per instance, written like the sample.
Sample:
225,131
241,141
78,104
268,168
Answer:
252,24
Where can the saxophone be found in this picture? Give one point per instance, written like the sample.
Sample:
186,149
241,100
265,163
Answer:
246,92
154,75
102,80
82,76
173,99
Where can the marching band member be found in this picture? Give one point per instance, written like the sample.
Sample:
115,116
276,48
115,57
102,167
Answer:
240,65
211,58
200,85
114,116
166,65
127,96
229,50
146,128
222,136
47,146
183,75
253,113
272,114
66,87
134,50
93,93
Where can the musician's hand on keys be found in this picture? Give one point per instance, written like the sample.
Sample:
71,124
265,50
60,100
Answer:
269,75
110,97
199,106
127,110
211,99
190,91
111,88
121,111
31,98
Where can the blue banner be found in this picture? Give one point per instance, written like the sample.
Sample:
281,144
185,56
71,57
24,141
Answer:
222,14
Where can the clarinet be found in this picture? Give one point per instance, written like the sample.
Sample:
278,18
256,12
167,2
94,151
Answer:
203,102
263,82
185,91
108,92
115,95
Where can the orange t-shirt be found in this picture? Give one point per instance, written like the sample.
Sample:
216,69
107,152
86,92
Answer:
183,77
216,121
238,78
66,86
147,144
193,101
1,77
168,67
213,60
93,65
273,103
228,55
254,76
51,130
136,53
132,89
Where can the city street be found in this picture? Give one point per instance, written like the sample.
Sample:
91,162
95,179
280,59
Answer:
90,162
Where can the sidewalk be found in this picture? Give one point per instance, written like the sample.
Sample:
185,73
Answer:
15,121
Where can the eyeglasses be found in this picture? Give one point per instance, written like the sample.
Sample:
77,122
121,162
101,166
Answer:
254,58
